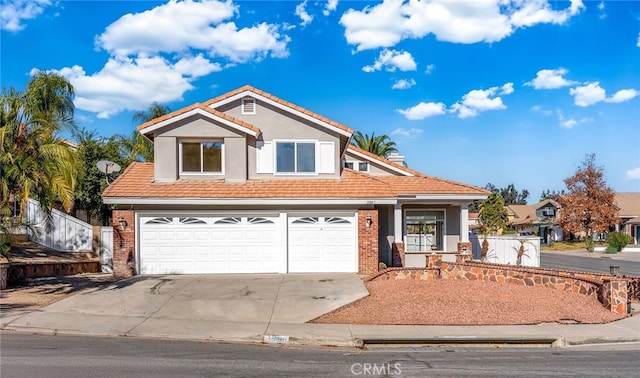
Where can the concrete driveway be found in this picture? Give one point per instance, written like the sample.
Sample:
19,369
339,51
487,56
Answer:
225,306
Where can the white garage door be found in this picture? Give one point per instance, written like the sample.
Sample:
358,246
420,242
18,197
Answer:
322,244
234,244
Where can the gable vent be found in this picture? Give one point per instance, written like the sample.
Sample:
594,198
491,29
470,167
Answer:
248,106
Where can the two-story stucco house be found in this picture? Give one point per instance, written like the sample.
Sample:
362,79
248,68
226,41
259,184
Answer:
249,183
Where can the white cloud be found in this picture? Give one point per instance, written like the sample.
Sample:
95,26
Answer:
177,27
132,84
330,7
423,110
155,55
403,84
12,13
390,60
638,43
541,110
388,23
430,69
302,13
588,94
404,133
622,95
478,100
550,79
506,89
592,93
571,122
634,173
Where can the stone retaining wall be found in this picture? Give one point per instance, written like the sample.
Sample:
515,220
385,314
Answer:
611,291
18,272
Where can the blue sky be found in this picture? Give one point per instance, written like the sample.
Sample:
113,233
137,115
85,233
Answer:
499,91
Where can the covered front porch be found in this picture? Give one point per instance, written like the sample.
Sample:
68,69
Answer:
413,229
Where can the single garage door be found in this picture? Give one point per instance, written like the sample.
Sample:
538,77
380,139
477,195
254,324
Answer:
322,244
197,245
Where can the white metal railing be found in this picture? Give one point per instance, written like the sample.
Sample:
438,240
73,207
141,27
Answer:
67,234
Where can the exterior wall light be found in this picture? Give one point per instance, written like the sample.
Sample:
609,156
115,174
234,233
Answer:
122,222
369,221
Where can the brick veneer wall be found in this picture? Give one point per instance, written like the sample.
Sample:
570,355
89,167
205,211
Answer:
367,242
124,241
612,292
397,258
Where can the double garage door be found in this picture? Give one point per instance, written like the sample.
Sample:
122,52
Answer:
247,244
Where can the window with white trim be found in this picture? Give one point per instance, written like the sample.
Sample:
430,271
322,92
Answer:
295,157
201,157
361,166
248,106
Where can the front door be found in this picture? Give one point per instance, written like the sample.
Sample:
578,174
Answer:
424,230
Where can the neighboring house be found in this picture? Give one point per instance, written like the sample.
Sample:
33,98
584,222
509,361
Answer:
629,214
250,183
538,219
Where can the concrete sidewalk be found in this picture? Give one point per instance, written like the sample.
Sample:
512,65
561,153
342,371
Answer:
211,308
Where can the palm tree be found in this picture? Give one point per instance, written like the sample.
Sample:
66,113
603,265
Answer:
34,161
137,147
49,98
378,145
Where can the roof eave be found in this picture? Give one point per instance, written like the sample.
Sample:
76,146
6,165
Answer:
247,201
269,101
204,113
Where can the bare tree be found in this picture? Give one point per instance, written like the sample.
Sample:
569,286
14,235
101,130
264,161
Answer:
588,206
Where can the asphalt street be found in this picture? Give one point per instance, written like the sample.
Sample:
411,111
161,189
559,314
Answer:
595,263
73,356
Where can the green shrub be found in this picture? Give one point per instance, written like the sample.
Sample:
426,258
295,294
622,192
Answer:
589,244
611,250
618,240
382,266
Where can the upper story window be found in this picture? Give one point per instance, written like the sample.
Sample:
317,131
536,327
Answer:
295,157
248,106
361,166
201,157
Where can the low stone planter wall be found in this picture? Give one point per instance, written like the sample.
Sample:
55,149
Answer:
611,291
18,272
4,269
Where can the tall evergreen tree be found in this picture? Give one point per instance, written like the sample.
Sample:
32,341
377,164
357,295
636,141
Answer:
493,215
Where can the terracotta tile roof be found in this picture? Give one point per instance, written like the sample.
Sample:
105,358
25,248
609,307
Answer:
409,185
137,181
203,107
280,101
385,161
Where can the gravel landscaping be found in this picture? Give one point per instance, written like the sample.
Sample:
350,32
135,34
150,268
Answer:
459,302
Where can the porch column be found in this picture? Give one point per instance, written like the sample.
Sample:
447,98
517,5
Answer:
464,222
397,223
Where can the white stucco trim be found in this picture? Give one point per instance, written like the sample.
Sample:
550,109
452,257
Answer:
464,223
204,113
247,201
280,106
441,198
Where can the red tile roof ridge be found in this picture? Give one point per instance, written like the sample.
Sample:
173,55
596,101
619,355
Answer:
485,191
280,101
